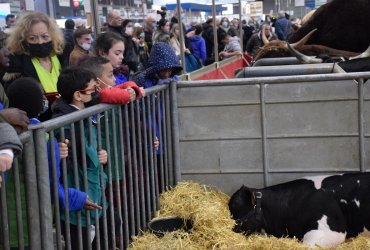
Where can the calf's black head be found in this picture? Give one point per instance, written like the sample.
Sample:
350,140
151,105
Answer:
245,211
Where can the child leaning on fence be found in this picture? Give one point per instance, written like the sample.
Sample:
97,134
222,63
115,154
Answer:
78,89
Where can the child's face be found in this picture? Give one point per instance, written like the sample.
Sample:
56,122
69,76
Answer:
115,54
107,77
85,94
164,74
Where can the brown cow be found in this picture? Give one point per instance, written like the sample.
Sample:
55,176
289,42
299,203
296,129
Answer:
341,29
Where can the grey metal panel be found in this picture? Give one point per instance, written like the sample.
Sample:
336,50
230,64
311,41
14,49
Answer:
221,156
367,152
312,127
312,118
203,96
367,117
367,90
228,183
306,91
313,154
219,122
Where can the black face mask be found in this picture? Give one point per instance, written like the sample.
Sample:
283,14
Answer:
94,99
40,50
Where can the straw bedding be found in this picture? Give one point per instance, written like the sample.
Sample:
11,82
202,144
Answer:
212,225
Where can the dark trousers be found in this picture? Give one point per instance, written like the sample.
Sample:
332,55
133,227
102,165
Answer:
74,233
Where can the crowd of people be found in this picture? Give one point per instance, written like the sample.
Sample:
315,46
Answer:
47,72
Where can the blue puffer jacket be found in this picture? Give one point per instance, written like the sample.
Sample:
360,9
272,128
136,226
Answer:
199,46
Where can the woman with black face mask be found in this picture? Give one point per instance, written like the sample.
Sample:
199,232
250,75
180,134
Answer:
36,45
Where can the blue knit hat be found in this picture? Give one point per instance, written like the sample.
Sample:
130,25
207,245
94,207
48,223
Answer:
163,56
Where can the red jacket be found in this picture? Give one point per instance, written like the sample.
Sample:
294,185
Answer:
119,94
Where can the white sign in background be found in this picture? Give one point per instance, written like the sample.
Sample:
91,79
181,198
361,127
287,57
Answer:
299,3
65,3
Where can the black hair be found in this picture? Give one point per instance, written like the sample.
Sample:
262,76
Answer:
223,35
8,17
198,29
209,20
26,94
69,24
94,64
72,79
161,23
105,42
125,22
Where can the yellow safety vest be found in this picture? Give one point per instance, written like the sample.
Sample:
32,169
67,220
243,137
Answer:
47,79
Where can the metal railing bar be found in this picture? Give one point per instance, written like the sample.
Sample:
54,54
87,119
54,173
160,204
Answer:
317,78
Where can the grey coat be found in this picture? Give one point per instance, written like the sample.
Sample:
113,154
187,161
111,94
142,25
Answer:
9,138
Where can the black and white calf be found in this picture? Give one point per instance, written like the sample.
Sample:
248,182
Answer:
323,210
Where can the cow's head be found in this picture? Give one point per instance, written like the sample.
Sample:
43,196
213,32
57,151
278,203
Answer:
245,208
278,48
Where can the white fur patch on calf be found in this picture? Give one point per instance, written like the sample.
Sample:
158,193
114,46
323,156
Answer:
343,201
323,236
317,180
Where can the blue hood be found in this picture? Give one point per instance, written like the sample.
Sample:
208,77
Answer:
162,57
195,38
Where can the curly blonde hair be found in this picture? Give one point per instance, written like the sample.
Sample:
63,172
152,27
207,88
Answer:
17,41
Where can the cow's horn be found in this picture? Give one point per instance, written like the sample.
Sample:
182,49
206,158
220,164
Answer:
263,34
303,40
302,57
364,54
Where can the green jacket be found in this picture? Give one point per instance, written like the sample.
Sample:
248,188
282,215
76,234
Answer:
95,190
10,197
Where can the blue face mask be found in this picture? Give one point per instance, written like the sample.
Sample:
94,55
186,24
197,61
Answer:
225,24
45,104
154,26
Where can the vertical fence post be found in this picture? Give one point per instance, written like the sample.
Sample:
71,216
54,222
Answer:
215,36
46,218
175,132
361,124
264,135
32,197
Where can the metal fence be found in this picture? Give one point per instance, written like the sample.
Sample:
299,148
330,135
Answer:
256,131
265,130
130,183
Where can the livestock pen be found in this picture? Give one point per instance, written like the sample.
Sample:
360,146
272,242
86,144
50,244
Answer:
224,133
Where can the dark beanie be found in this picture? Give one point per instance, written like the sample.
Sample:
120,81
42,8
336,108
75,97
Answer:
25,94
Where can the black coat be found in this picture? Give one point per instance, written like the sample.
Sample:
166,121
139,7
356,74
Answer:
131,54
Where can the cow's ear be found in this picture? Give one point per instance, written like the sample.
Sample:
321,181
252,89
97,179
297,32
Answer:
248,194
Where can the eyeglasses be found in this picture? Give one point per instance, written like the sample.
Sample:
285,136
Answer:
94,89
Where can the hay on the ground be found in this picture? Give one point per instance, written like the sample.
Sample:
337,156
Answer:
212,228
